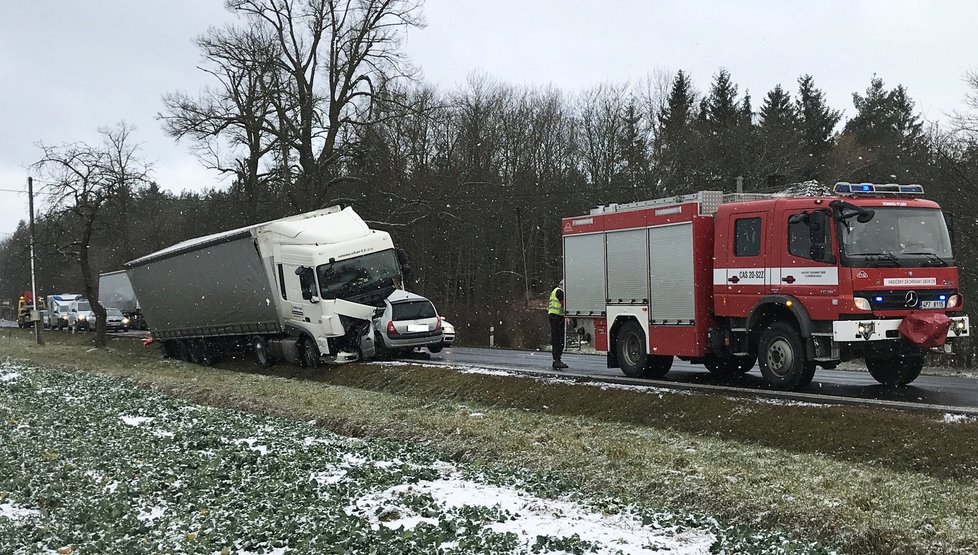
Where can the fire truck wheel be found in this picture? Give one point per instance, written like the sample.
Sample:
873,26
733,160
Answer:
782,357
899,370
310,353
633,357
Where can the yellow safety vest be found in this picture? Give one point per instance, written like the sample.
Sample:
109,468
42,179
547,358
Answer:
555,305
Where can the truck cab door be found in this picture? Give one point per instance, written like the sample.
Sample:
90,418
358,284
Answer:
301,296
745,271
807,267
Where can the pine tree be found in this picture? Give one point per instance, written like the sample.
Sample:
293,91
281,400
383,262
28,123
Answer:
727,134
884,141
818,125
780,155
675,140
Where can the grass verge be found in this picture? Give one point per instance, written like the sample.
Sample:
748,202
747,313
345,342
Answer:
870,481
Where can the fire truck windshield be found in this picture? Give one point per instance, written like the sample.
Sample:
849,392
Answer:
910,237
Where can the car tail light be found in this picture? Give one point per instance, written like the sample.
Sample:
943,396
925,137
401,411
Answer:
438,323
391,330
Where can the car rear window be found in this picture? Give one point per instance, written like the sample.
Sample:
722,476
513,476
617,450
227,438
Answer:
413,310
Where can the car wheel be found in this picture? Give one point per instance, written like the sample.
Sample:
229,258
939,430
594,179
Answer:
783,359
898,370
434,348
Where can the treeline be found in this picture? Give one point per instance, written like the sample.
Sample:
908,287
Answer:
471,182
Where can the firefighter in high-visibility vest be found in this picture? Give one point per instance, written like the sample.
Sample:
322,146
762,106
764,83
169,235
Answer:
555,313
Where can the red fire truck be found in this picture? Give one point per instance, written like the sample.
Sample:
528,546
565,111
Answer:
791,282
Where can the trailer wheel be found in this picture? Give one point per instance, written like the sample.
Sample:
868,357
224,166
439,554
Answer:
632,350
168,349
262,354
204,352
187,352
898,370
310,353
783,359
729,366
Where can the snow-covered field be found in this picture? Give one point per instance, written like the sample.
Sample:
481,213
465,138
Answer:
95,465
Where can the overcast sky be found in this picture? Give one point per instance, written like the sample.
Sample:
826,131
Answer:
68,68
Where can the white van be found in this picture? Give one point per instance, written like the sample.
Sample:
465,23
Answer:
59,306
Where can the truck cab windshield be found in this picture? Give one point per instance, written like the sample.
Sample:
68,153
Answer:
360,279
908,237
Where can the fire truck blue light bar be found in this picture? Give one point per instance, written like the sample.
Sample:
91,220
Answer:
874,189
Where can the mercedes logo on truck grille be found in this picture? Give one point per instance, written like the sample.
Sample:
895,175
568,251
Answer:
912,299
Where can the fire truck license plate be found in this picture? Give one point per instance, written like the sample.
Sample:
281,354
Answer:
931,304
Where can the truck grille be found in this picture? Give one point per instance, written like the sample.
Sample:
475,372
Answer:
897,300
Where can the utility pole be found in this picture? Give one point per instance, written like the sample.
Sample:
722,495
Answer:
35,313
526,277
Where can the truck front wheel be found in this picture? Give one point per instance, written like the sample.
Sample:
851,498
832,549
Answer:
310,353
898,370
633,354
782,357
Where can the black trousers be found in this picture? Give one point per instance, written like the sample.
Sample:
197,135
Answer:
557,335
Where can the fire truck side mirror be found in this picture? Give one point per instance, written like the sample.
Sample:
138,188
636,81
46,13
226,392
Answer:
818,226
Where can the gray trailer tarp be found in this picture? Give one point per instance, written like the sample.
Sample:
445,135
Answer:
219,288
115,291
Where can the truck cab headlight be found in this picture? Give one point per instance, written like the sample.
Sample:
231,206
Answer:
861,303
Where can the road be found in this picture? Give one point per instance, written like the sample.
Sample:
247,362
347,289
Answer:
930,392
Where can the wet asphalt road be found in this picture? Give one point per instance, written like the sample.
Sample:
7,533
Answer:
950,391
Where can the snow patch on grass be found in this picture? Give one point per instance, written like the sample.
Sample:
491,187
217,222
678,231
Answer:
15,513
952,418
528,517
135,420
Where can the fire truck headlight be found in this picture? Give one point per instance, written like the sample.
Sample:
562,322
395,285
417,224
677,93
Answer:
953,301
861,303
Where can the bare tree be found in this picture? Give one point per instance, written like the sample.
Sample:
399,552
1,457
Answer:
602,118
239,109
81,180
353,45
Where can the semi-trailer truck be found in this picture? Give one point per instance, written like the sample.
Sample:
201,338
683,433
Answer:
302,289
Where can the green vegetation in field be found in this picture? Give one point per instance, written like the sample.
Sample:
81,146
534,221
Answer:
101,466
873,481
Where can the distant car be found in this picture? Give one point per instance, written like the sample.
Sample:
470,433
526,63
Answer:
80,315
115,320
408,321
448,334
